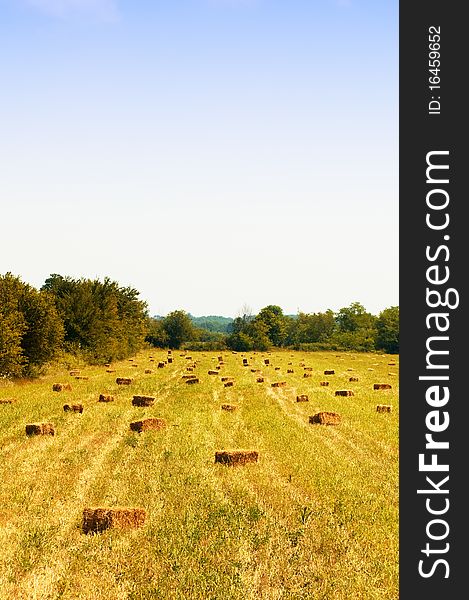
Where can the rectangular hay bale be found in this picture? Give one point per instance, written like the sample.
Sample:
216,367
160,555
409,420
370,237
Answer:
383,408
325,418
153,424
124,380
143,400
60,387
96,520
73,408
236,457
105,398
40,429
382,386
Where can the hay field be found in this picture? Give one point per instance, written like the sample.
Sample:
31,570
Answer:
316,517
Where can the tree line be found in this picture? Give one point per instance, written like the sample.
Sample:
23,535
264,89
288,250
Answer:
350,328
97,321
101,321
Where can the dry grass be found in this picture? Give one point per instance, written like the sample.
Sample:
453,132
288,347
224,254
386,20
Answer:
315,518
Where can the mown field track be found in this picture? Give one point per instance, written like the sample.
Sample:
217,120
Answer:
316,517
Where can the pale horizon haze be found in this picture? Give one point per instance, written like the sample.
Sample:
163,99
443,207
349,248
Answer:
209,153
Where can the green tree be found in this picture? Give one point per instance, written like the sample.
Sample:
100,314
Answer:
249,333
179,328
31,331
156,334
387,325
311,328
102,319
275,323
356,328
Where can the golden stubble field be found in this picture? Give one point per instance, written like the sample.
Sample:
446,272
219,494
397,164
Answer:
316,517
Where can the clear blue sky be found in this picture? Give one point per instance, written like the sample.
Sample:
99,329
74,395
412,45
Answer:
210,153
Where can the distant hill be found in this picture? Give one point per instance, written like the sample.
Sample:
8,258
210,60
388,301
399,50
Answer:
213,323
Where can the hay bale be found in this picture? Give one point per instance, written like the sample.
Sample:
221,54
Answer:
190,369
170,360
226,378
302,398
82,377
107,364
187,357
143,400
213,372
135,366
188,377
161,365
148,371
307,374
350,369
124,380
344,393
382,386
73,408
229,407
153,424
266,361
74,372
307,368
255,370
384,408
392,364
105,398
169,352
279,384
110,370
289,370
325,418
229,384
277,368
7,400
40,429
353,379
236,457
60,387
151,360
131,360
192,380
260,380
329,372
220,358
96,520
324,383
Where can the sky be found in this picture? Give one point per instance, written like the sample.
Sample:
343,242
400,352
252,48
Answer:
212,154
